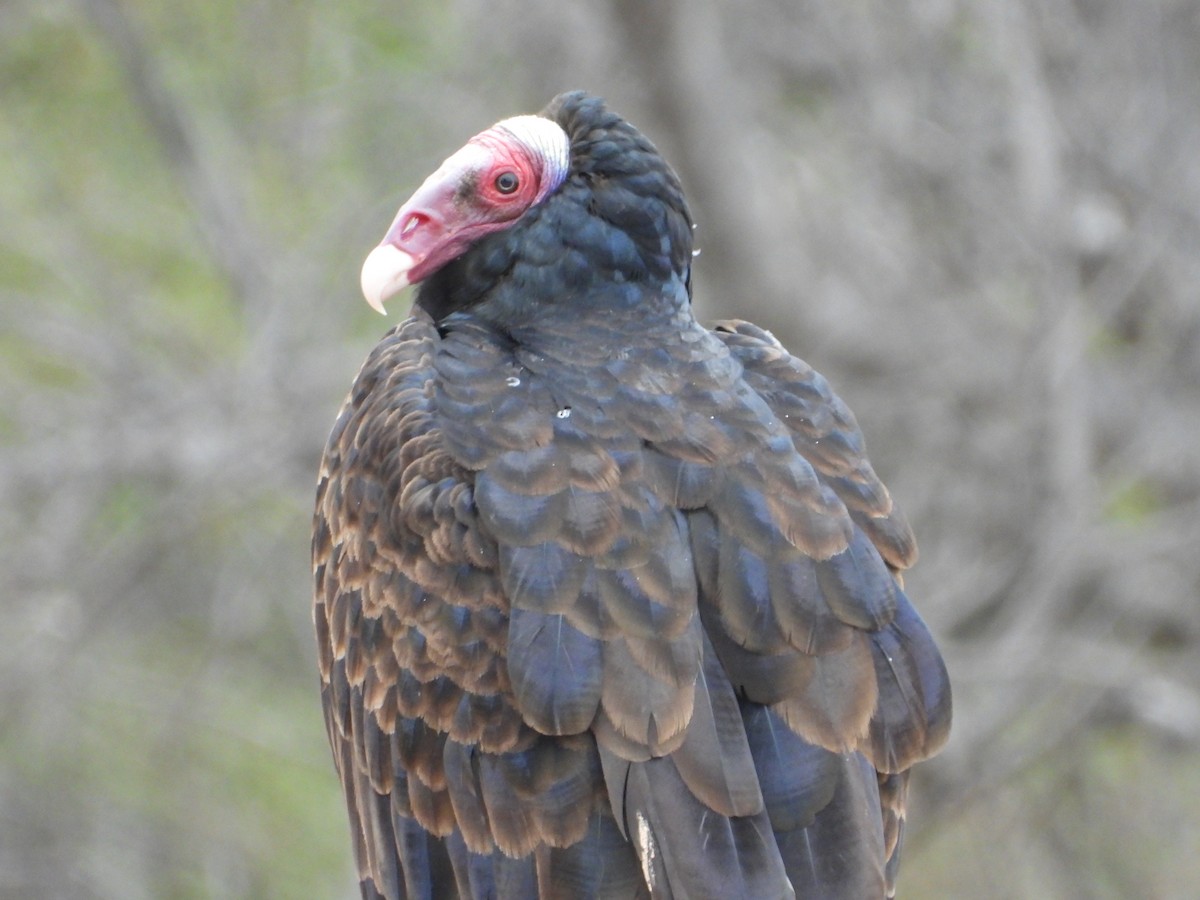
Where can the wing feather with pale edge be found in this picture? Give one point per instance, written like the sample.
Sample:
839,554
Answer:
569,610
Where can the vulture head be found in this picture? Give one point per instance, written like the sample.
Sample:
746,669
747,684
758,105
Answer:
535,209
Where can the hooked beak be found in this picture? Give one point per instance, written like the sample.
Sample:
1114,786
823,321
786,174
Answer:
419,235
428,231
385,274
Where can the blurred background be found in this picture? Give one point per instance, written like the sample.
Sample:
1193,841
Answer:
979,218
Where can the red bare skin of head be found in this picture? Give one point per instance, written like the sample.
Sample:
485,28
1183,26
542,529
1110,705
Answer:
481,188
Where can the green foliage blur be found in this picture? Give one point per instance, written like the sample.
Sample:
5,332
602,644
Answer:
179,186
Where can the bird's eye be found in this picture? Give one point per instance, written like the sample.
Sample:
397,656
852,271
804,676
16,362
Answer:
507,182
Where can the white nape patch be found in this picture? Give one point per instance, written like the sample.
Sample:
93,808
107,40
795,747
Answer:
548,140
647,849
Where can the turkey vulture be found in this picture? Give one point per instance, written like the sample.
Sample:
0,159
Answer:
608,603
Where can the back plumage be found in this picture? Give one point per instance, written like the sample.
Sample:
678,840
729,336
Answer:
607,603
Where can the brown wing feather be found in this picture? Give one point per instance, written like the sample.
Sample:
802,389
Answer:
552,593
825,433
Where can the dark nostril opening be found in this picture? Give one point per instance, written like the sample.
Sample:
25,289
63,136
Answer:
412,223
